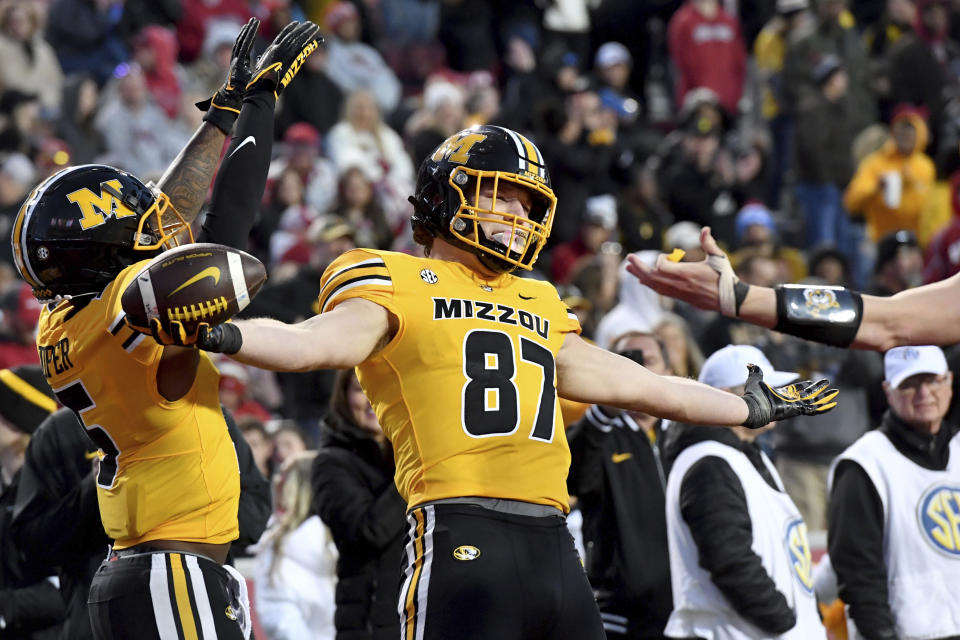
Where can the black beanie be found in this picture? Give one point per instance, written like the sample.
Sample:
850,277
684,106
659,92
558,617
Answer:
25,397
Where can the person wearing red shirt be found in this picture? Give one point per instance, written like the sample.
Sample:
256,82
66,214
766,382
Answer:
707,49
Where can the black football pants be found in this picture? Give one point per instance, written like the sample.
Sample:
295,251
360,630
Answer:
473,573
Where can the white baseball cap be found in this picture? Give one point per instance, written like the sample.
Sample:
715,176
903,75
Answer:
902,362
611,53
727,367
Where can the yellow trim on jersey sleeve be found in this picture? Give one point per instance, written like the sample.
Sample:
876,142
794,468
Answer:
355,274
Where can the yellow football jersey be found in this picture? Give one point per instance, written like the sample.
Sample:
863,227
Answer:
169,469
466,390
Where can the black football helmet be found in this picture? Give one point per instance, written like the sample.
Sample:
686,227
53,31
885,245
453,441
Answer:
83,225
446,200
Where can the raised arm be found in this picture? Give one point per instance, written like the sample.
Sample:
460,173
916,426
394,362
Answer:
586,373
187,179
924,315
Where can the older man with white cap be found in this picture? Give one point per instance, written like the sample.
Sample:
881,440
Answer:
739,558
894,517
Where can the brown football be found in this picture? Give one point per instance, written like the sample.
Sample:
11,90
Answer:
193,283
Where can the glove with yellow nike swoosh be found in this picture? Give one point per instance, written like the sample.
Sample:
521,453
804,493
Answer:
766,403
223,108
175,334
281,61
220,338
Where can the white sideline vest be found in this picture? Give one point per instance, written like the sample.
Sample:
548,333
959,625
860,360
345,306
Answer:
921,535
779,538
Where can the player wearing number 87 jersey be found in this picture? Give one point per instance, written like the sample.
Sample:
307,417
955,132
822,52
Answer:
463,363
469,388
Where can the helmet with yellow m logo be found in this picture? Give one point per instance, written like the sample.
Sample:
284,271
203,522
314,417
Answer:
83,225
447,200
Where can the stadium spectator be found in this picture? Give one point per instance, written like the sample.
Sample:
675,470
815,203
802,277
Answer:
757,234
357,208
439,117
739,556
619,482
31,607
303,152
356,497
685,355
20,122
289,441
76,125
769,51
295,562
200,15
696,175
923,68
29,62
155,51
832,33
19,313
895,560
354,65
86,36
139,136
599,223
300,102
362,139
613,65
891,186
823,167
637,309
259,441
17,177
942,256
898,265
235,393
707,50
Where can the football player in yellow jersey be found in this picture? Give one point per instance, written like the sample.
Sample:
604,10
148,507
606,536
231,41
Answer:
464,363
168,483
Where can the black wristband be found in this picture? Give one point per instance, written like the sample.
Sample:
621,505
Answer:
756,416
830,315
740,289
222,119
231,338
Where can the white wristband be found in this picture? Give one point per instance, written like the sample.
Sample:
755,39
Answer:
728,299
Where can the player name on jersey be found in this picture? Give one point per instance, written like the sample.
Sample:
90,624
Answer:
55,358
460,308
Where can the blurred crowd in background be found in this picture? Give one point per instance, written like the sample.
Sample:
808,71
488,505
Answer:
819,139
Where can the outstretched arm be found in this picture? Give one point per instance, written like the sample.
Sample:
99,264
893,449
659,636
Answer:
337,339
925,315
586,373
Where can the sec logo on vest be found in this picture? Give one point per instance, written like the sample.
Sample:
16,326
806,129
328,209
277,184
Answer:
798,552
939,516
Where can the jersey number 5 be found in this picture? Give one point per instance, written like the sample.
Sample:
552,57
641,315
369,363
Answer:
75,396
491,398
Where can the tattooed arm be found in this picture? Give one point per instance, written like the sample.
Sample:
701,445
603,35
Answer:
187,180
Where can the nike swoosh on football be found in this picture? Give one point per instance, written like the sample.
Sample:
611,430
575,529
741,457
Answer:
620,457
209,272
245,141
523,297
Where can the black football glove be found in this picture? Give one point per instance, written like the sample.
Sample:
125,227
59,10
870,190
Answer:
223,108
767,404
221,338
174,333
281,61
